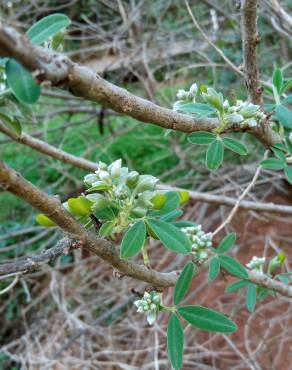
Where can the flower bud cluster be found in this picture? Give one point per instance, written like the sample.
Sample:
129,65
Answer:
151,303
201,242
244,113
186,96
126,191
256,263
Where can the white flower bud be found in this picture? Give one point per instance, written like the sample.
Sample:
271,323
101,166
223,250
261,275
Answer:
194,89
115,168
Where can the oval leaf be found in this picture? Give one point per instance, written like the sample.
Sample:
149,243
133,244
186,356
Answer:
207,319
233,267
183,283
284,115
200,109
214,155
133,240
47,27
13,124
22,83
106,229
175,342
79,206
44,220
288,174
234,287
273,164
172,237
235,146
201,138
226,243
214,269
251,297
277,79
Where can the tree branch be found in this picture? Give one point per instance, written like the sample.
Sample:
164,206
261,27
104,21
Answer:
13,182
50,150
86,165
250,41
83,82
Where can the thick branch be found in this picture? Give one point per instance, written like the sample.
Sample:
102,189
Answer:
83,82
51,206
250,40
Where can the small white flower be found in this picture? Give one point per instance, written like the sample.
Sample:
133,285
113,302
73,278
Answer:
226,104
182,94
194,89
151,317
256,263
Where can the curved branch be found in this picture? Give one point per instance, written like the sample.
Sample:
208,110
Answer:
13,182
83,82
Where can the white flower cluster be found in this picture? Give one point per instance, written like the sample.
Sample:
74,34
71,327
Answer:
151,303
126,191
201,241
244,113
256,263
186,96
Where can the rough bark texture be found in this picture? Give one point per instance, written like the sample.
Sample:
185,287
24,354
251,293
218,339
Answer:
250,40
83,82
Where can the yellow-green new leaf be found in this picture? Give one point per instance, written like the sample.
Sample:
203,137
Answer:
44,220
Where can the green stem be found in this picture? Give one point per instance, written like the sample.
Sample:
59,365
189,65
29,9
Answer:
145,255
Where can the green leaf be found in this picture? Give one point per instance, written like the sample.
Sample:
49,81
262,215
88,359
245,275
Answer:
183,283
233,267
172,216
175,342
22,83
251,297
172,237
288,99
234,287
273,164
184,223
288,174
214,155
107,214
287,85
283,278
79,206
171,203
13,124
284,115
279,154
201,138
207,319
199,109
47,27
106,229
214,269
44,220
3,61
278,79
235,146
133,240
226,243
